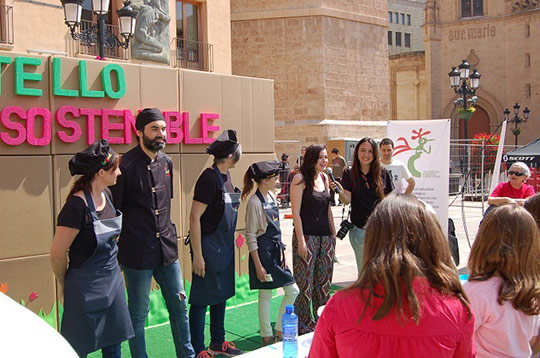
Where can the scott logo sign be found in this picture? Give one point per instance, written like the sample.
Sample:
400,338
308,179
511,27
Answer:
512,158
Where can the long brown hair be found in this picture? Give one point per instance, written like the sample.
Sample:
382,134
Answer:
248,183
84,183
508,245
310,161
405,241
374,167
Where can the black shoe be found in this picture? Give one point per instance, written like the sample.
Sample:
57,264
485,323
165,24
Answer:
226,349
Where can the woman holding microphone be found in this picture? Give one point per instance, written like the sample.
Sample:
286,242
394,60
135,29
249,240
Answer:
314,236
363,186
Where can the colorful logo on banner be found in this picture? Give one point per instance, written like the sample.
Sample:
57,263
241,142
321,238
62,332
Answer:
419,150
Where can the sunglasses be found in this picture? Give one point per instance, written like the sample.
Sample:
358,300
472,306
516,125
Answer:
518,174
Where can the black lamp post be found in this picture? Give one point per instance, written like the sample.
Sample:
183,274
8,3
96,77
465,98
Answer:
98,33
465,86
516,120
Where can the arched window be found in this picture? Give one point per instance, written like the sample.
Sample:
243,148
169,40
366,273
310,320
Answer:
470,8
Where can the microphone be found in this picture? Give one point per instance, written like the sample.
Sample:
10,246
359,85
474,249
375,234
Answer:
330,173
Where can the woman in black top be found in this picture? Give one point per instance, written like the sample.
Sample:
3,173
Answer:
95,310
363,186
313,237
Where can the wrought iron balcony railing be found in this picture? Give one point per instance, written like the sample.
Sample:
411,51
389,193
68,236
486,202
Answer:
194,55
87,43
6,24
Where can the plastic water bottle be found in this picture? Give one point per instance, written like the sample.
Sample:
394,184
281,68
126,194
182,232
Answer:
290,333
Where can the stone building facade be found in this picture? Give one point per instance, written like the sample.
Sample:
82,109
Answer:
408,86
405,20
500,40
329,62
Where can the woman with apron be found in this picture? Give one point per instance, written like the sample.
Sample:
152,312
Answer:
212,225
267,267
95,310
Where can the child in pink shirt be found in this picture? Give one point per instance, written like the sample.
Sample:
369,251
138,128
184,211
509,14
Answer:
504,283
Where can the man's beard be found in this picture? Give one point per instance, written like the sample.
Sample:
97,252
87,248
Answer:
153,145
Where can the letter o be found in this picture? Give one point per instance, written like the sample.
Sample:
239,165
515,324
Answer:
107,81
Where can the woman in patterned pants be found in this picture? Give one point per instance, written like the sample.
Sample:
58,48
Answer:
313,238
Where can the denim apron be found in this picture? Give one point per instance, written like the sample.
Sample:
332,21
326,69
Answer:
271,251
95,310
218,284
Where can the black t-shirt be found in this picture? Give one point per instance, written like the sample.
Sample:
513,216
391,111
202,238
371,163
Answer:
208,191
364,197
75,214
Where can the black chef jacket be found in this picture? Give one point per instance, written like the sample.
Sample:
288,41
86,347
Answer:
143,194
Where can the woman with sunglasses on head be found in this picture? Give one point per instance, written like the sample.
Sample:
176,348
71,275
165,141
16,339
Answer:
95,311
314,236
514,190
407,301
363,186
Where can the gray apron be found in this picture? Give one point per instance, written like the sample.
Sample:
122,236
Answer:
271,251
218,284
95,310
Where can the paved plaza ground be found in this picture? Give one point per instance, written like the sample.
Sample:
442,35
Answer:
345,272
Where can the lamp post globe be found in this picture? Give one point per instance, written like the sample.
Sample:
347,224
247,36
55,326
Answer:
127,19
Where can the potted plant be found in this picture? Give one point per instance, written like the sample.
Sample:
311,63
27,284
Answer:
466,113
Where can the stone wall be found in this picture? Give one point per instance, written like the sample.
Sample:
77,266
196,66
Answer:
502,45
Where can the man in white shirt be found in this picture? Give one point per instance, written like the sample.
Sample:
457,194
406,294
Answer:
398,171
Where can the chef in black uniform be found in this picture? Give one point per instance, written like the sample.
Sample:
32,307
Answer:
212,225
95,312
148,243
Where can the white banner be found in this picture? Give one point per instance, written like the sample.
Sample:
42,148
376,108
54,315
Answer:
497,169
424,147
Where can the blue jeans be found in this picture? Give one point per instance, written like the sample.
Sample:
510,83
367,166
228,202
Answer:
169,279
357,236
197,316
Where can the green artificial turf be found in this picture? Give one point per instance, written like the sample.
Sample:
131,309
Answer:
241,327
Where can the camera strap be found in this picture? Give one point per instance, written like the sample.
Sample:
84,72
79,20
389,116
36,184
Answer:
343,212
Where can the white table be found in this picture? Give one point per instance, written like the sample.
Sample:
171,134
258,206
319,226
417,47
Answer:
276,350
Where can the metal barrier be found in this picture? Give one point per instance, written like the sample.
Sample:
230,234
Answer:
6,24
194,55
471,168
110,51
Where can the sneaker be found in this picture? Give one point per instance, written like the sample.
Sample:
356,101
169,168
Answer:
227,349
205,354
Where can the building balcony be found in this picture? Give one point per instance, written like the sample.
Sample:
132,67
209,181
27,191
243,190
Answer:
194,55
88,34
6,25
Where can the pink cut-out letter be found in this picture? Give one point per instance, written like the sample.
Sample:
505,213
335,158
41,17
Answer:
174,126
185,124
90,130
205,128
107,126
18,127
47,128
129,126
62,121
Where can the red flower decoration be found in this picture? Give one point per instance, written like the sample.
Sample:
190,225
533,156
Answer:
3,287
240,240
32,296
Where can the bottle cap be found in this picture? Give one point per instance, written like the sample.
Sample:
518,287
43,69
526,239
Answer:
289,309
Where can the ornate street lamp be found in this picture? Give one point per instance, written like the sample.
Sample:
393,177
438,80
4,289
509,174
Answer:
465,86
516,120
99,34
